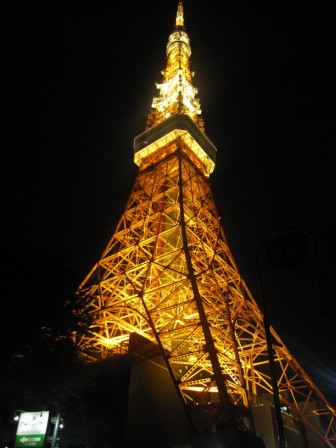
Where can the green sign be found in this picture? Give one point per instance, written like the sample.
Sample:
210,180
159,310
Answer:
31,440
32,429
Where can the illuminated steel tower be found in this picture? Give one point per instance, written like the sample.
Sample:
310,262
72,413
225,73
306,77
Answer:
168,275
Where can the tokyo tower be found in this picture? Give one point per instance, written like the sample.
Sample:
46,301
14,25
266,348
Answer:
167,276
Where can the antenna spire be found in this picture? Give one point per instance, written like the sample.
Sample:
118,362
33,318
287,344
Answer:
177,95
179,15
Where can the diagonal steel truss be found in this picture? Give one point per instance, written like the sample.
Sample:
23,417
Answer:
168,274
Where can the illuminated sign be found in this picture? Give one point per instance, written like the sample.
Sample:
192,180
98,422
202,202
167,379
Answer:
32,428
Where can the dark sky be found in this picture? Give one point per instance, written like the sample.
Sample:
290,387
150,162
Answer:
78,80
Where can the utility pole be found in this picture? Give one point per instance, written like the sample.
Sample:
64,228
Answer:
55,420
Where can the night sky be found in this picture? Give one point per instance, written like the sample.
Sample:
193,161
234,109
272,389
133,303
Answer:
77,82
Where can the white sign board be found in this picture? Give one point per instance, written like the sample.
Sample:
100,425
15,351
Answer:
32,428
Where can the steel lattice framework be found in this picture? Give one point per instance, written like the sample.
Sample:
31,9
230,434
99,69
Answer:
168,274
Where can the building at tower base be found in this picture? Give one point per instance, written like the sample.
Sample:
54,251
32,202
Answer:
156,416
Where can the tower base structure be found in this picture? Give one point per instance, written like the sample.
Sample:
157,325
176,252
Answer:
156,416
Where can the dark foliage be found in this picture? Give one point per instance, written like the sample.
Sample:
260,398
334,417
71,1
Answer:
38,350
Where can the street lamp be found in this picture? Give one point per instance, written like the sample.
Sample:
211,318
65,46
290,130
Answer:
16,414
